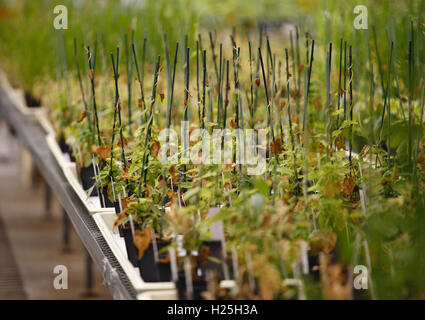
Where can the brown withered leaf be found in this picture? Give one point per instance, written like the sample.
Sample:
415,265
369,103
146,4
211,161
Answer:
103,151
83,115
173,171
421,161
142,239
171,194
227,186
348,185
149,191
321,147
282,104
91,74
124,202
266,221
301,68
276,146
204,255
125,142
120,217
317,104
162,96
139,103
155,148
341,92
340,142
257,82
233,124
126,175
229,167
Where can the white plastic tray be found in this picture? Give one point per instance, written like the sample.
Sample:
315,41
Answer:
105,222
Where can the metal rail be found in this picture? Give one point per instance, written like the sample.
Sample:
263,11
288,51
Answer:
32,136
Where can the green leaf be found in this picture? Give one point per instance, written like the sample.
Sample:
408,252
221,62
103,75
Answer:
189,194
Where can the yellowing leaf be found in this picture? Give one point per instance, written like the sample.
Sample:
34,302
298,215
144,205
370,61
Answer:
142,239
331,189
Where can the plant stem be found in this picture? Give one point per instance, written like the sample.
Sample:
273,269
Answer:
267,101
345,80
339,82
118,105
381,72
328,100
129,69
197,83
389,106
171,94
186,107
86,108
251,87
226,99
410,82
350,57
213,55
139,78
306,142
290,119
143,172
92,68
204,80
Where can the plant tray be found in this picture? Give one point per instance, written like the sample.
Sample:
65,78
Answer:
154,290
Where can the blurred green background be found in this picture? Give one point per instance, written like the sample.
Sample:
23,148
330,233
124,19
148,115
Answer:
31,48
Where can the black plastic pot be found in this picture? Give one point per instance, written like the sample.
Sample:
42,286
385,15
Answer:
66,148
132,251
109,203
152,271
87,176
31,101
199,286
88,179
